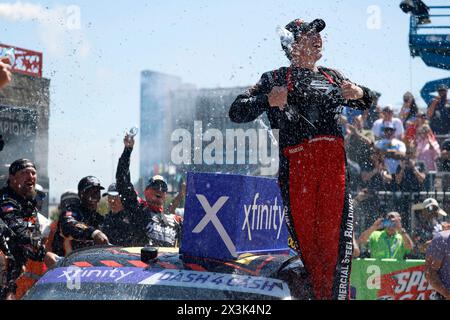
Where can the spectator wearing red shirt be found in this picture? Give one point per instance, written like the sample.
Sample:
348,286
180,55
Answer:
411,128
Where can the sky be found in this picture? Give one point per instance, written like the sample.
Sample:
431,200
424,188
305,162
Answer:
94,52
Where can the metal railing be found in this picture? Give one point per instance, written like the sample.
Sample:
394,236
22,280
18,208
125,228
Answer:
27,62
415,25
406,203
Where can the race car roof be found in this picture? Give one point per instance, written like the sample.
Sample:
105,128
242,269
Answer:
168,258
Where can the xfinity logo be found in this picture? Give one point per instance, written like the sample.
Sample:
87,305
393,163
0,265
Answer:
75,274
211,216
258,217
263,217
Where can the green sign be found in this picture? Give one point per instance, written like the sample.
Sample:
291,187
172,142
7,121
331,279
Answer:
389,279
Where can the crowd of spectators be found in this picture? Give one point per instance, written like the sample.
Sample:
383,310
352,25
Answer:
393,158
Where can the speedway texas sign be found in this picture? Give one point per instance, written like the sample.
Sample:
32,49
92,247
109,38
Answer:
226,215
389,279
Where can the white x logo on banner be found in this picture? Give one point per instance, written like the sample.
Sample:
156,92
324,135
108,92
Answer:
211,215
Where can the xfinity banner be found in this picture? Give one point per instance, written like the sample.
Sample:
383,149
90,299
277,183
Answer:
226,215
18,126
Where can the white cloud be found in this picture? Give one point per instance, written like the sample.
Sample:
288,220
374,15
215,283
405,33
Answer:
59,27
22,11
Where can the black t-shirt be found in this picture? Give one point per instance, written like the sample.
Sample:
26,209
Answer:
409,182
119,229
440,122
376,183
358,151
446,163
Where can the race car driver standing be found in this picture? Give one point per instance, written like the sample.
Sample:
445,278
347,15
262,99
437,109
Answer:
304,102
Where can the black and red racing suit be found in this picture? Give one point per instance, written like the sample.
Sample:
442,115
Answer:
312,169
20,236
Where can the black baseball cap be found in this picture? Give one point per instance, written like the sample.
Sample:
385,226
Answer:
298,26
112,191
19,165
89,182
157,183
69,198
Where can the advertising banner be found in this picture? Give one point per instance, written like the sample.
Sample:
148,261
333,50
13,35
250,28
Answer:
18,126
226,215
389,279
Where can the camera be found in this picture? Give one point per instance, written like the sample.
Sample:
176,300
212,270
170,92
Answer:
387,223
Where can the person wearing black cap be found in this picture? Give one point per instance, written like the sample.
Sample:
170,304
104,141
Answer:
152,226
118,222
439,112
80,227
20,234
304,102
417,8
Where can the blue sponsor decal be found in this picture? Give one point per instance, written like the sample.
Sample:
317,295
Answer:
226,215
74,277
220,281
94,275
